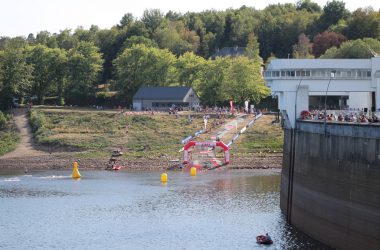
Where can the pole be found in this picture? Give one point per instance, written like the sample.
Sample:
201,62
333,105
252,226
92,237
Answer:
327,89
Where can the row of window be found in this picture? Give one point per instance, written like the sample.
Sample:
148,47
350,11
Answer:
318,73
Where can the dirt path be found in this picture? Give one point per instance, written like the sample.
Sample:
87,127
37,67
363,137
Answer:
26,146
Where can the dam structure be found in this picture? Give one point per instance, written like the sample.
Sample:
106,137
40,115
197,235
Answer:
330,181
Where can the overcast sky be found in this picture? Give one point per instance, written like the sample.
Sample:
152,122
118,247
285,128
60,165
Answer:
21,17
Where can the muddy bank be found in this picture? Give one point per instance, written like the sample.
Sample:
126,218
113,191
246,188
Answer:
64,161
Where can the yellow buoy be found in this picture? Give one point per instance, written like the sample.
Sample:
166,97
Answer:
75,173
164,177
193,171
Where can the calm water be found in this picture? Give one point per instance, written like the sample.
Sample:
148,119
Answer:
124,210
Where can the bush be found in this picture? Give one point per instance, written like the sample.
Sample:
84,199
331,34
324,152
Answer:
3,120
37,120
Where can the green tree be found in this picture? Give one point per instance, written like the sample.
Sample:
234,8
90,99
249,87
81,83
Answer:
364,23
45,38
355,49
253,48
308,5
333,11
138,40
244,81
152,19
126,20
209,86
177,38
189,68
49,71
66,40
84,65
41,84
15,73
141,65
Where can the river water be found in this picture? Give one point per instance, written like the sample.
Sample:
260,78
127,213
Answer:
128,210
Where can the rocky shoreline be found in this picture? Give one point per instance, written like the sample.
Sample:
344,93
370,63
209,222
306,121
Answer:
65,161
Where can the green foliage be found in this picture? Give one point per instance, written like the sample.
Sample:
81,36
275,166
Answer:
84,66
363,23
333,11
37,121
152,19
103,131
177,38
354,49
3,120
189,68
263,137
138,40
141,65
308,5
70,64
49,71
243,81
15,73
8,141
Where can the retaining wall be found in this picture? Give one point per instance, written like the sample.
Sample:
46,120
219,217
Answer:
330,186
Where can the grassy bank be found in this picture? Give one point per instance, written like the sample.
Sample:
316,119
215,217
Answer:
96,133
261,138
8,136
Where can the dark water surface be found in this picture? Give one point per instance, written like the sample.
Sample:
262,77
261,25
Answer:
126,210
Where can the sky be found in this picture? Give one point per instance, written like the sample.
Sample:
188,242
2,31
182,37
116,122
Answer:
22,17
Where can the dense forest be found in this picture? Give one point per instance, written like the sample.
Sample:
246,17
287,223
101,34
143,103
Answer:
107,66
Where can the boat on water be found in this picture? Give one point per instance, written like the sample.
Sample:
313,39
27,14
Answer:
263,239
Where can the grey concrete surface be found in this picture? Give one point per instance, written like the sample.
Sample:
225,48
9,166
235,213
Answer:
331,190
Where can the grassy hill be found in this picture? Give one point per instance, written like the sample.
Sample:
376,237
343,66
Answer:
95,134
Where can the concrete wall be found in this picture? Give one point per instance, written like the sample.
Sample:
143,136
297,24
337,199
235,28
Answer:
334,192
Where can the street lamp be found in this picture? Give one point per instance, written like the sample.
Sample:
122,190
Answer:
327,89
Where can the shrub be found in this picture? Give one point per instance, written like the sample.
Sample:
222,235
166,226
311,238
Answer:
37,121
3,120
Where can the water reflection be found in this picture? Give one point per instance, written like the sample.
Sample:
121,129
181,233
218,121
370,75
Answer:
108,210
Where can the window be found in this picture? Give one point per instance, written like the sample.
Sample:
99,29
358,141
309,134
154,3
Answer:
368,73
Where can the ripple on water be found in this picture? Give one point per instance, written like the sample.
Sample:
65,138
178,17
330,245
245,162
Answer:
19,192
12,179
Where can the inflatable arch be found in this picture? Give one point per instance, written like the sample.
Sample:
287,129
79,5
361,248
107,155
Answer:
206,144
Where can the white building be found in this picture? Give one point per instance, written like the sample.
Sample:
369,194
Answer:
297,83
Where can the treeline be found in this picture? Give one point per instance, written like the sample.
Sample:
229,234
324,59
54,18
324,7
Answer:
169,49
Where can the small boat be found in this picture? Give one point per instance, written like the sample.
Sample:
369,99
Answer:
262,239
117,167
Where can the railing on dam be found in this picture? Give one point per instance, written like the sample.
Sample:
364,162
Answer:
363,130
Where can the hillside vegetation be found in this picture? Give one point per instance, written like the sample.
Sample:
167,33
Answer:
96,134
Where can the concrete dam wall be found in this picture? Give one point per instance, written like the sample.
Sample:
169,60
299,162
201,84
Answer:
330,185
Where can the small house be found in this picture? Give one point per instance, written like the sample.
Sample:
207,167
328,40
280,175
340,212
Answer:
162,98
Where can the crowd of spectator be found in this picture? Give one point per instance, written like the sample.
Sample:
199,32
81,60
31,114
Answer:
340,116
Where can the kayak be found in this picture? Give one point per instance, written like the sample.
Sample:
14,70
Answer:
262,239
